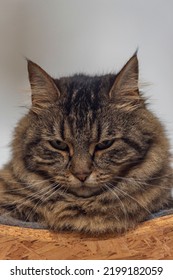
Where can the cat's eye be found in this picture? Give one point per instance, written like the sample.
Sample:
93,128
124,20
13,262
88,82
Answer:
59,145
104,145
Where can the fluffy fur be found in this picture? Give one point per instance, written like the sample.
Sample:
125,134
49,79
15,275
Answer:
88,157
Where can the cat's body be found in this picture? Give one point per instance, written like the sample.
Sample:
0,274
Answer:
88,157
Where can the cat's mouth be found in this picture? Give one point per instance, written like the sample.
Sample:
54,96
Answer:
84,191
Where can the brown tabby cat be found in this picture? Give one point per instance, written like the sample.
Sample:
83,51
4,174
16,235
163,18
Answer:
88,157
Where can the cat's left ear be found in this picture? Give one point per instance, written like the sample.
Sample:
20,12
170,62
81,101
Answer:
44,90
125,88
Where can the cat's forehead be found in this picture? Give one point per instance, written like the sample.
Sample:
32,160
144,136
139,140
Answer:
85,130
82,88
82,96
86,125
84,109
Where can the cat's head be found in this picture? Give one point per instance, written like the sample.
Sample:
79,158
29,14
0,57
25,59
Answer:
86,132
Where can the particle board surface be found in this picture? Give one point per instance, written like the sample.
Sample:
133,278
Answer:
150,240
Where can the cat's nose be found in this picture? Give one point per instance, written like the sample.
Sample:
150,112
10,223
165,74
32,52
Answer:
82,176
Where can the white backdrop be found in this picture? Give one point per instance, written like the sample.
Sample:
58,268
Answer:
91,36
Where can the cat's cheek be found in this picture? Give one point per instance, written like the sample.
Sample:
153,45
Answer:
92,180
73,182
103,161
61,164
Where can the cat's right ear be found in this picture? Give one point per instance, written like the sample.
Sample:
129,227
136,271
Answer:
44,90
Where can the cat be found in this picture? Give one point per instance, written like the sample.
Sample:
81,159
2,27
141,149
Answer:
88,156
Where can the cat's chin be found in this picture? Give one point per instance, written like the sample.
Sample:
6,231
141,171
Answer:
85,192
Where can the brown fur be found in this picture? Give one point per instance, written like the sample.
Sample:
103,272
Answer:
88,157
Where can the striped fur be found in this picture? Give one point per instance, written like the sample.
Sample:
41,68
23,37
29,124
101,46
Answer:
88,157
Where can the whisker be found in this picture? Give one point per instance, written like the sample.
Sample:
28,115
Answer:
24,200
142,180
122,204
45,197
126,194
27,185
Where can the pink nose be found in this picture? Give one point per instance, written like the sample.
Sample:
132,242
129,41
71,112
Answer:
82,176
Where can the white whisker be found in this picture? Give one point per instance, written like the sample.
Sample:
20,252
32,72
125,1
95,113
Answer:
131,197
122,204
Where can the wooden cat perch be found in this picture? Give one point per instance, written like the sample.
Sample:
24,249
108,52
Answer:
150,240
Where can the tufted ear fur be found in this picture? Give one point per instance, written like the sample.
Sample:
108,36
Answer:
125,88
44,90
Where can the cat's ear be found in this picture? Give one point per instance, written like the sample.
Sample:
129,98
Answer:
125,89
44,90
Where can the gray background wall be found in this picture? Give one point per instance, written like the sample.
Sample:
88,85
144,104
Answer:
92,36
